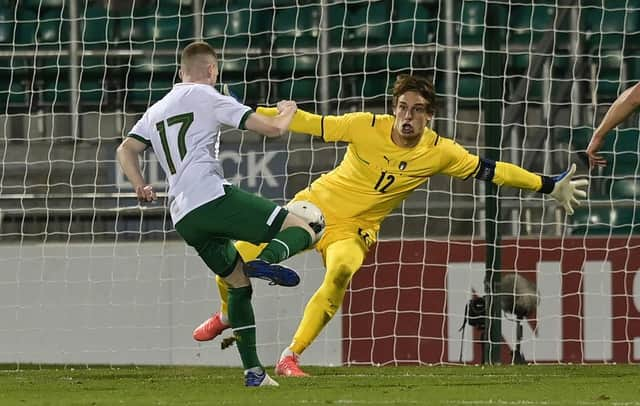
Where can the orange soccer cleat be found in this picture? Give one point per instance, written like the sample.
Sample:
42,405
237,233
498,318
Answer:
210,328
288,366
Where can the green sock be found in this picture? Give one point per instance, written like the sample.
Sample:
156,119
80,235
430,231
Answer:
286,244
243,323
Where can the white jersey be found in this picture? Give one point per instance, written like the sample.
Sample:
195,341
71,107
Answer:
184,130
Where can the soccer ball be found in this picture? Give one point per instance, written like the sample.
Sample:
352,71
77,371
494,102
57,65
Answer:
309,212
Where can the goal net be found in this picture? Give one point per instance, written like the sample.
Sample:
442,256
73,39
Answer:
87,275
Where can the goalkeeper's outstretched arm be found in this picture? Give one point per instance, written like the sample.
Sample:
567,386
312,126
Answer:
566,191
273,126
303,122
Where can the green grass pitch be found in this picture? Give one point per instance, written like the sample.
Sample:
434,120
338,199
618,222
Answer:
418,385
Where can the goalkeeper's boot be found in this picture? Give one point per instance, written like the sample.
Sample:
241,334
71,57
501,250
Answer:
256,378
288,366
210,328
275,274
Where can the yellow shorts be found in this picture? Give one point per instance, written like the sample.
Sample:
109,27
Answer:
337,229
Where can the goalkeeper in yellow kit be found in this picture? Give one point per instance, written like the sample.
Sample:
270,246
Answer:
387,158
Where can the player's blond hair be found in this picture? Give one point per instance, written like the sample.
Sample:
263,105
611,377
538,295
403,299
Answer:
414,83
196,57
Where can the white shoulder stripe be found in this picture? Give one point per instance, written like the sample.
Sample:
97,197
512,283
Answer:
273,215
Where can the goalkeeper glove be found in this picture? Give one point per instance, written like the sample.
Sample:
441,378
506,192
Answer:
566,191
226,91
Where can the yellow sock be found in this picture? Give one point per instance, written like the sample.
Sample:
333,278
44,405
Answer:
248,252
343,259
223,291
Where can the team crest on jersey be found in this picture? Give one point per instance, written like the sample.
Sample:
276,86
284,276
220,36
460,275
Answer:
402,165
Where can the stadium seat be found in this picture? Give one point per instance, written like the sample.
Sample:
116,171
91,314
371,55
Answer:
100,81
15,95
337,14
233,67
135,30
6,25
16,74
610,27
469,80
412,23
359,24
214,21
377,85
236,26
519,62
173,31
44,23
147,28
370,85
150,78
473,22
301,90
93,91
237,67
628,188
279,3
299,74
25,27
632,61
52,28
608,79
591,221
605,220
366,74
96,28
175,7
402,62
51,80
472,17
295,65
35,4
543,87
364,62
297,27
577,137
101,77
304,89
528,23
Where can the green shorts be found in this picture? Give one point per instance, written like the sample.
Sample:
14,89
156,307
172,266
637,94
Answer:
238,215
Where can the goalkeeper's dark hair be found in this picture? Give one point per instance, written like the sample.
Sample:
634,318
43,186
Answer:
195,50
414,83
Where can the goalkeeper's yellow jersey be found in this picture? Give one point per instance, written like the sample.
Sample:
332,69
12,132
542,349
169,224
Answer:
375,175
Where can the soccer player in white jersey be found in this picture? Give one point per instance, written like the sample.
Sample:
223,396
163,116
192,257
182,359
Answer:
183,128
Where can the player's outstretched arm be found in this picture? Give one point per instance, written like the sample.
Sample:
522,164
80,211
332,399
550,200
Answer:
624,105
457,161
330,128
303,121
275,126
128,153
563,188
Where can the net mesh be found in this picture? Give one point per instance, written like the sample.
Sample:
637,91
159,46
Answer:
89,276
